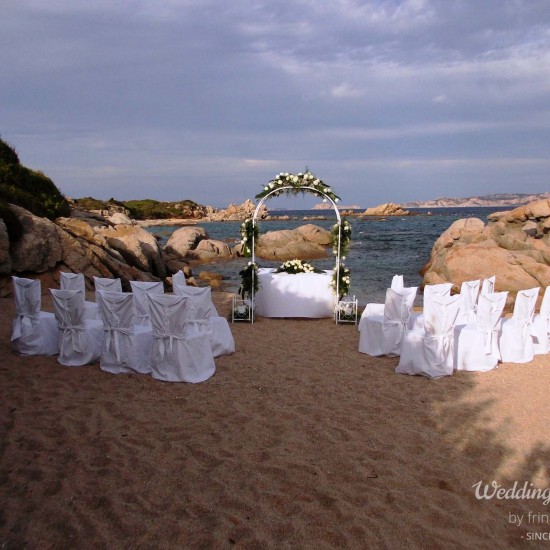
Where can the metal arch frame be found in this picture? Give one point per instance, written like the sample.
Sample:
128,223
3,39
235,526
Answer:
315,191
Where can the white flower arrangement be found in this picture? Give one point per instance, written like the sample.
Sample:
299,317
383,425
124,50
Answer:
295,183
296,266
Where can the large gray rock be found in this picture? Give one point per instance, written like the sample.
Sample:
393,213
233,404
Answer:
288,244
184,239
514,246
71,244
138,247
386,209
39,248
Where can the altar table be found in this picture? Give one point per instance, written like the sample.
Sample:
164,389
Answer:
297,295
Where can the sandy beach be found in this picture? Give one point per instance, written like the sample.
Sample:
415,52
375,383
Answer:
298,441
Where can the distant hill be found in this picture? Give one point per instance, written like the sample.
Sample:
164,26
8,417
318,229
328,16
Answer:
499,199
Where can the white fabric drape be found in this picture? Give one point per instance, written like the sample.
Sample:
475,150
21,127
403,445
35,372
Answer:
516,341
140,290
477,344
76,281
200,301
181,345
34,332
81,338
383,334
469,291
105,283
127,347
430,352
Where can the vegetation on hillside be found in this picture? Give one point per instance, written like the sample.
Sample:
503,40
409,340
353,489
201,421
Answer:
27,188
152,209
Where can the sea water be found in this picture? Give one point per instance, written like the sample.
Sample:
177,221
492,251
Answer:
380,247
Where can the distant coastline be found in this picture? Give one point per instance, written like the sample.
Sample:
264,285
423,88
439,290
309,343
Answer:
490,201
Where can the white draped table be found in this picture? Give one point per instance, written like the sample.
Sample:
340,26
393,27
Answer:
298,295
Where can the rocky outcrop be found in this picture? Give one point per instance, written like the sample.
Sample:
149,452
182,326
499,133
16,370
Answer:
238,212
513,245
192,243
387,209
307,242
72,244
137,246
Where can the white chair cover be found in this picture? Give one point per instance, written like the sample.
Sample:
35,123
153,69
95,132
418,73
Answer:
181,346
416,320
81,338
178,278
431,352
467,313
516,340
397,283
140,290
476,344
383,334
105,283
200,300
34,332
372,309
488,285
126,347
75,281
541,326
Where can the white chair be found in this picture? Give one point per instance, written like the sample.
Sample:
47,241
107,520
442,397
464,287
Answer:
488,285
397,282
105,283
181,345
140,290
477,344
34,332
127,347
431,352
76,281
200,300
469,291
178,278
541,326
81,338
371,309
416,320
516,340
383,334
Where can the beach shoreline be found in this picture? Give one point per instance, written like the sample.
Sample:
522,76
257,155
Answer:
297,441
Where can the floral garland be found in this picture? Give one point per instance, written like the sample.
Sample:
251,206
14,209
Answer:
298,183
297,266
345,238
249,281
249,234
342,276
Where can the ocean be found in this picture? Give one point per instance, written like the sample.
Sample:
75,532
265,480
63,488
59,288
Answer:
380,248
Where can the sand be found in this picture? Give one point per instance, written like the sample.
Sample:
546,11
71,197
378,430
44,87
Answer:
298,441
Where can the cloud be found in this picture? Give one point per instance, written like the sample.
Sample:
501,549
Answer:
145,97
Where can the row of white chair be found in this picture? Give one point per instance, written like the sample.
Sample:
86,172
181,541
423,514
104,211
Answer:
461,332
121,338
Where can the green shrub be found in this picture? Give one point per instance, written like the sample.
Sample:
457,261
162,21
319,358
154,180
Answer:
29,189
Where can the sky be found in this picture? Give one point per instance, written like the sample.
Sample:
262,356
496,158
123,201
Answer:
384,100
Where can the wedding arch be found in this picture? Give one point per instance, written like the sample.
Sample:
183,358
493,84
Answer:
290,184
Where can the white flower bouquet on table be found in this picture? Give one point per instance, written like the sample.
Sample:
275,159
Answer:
297,266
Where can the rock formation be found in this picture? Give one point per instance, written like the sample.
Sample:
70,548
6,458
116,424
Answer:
306,242
387,209
238,212
72,244
513,245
